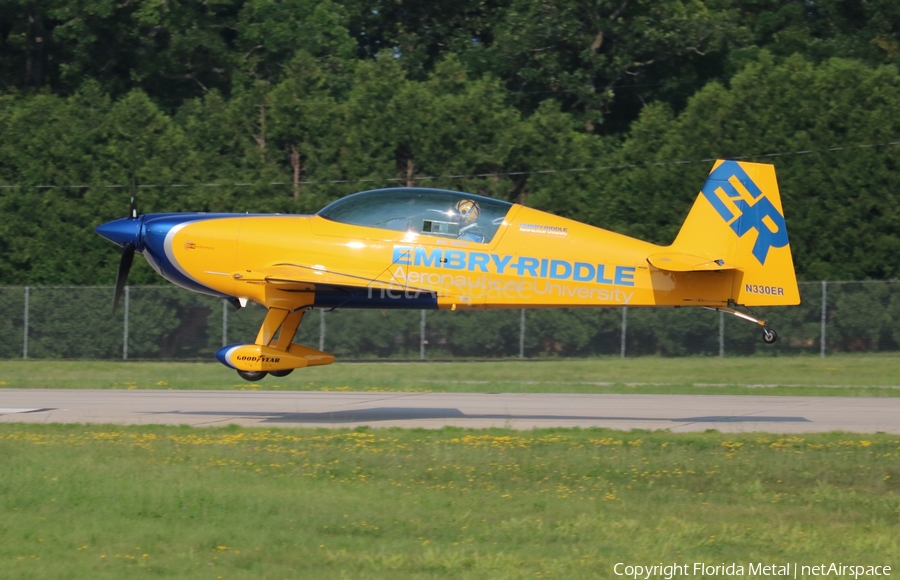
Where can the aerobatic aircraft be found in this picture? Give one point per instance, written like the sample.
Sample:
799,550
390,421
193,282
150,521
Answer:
429,248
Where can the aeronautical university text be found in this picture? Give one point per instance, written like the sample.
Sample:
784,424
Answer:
477,288
522,266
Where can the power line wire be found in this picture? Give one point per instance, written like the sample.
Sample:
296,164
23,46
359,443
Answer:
454,176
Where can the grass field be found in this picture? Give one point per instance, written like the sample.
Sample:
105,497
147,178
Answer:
843,375
150,502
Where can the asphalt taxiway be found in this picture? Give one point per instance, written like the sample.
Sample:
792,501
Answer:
676,413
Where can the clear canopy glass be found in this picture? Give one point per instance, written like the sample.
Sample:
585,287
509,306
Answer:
433,212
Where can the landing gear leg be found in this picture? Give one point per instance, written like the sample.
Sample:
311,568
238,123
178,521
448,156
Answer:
283,323
769,335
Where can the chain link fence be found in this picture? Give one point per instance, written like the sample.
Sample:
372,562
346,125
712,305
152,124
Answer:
168,323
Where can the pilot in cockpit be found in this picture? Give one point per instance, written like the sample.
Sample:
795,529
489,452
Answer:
469,211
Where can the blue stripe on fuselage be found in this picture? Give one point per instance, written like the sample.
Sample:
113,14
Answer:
376,298
155,229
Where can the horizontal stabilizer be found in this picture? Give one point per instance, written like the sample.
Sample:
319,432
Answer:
300,278
681,262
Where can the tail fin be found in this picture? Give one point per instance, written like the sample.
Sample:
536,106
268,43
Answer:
737,223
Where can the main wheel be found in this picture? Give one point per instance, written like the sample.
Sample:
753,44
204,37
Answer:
769,336
252,376
283,373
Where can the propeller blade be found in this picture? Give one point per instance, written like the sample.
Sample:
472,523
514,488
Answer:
122,274
132,211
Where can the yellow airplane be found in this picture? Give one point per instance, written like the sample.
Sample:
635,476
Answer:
429,248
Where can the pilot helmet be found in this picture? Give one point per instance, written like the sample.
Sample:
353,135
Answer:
468,211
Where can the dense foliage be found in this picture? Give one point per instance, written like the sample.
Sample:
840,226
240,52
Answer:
258,105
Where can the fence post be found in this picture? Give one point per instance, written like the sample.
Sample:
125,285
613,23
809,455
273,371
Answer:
522,334
224,323
824,315
721,334
624,328
125,325
322,329
422,337
25,343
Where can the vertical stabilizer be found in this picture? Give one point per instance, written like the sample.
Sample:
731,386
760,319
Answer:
737,222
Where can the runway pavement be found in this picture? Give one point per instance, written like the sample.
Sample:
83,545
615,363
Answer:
434,410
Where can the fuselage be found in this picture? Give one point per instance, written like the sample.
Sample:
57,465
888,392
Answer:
533,260
430,248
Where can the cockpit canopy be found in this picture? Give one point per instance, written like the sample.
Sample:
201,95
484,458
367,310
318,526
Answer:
432,212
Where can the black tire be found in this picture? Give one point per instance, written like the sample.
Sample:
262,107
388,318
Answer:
769,336
252,376
283,373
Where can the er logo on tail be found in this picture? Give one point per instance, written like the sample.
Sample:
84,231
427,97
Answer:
730,180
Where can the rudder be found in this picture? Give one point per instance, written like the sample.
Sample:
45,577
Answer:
737,223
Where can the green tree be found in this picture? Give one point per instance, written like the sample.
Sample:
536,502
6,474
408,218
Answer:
820,30
170,50
272,33
405,132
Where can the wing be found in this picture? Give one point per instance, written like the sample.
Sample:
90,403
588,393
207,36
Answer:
301,278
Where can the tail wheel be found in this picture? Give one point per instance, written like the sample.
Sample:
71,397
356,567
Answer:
769,336
252,376
283,373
